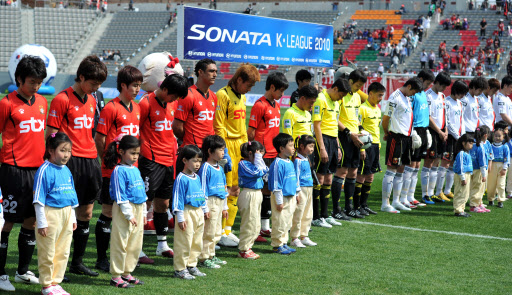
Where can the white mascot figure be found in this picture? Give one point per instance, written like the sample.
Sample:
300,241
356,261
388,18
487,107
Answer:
155,67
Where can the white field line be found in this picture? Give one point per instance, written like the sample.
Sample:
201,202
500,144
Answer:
434,231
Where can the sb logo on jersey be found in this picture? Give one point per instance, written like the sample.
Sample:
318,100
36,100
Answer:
130,129
274,122
31,125
239,114
206,116
163,125
83,122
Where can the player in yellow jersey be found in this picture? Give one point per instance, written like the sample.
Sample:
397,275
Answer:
297,119
229,123
370,117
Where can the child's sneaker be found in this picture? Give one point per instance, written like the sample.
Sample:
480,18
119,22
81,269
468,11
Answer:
5,284
321,223
463,214
307,242
217,261
281,250
509,197
500,205
208,264
476,210
482,206
297,243
249,254
132,280
226,242
491,203
389,209
266,233
289,249
51,290
60,290
184,274
330,220
195,272
260,239
165,252
120,283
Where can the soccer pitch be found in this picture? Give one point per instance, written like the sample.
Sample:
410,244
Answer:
425,251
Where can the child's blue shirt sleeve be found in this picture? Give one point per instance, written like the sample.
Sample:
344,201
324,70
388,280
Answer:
178,197
41,185
118,186
506,161
204,175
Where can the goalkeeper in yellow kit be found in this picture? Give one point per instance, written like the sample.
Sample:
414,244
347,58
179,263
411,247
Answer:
230,124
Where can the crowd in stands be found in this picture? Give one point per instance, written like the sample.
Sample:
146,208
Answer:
114,55
13,3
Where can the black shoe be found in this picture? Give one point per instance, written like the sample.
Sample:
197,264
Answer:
354,214
363,212
491,203
500,205
340,216
103,265
463,214
81,269
367,209
66,280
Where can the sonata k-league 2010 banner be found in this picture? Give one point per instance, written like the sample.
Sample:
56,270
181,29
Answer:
235,37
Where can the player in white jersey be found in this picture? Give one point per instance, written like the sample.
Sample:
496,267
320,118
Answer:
485,101
397,123
502,104
470,104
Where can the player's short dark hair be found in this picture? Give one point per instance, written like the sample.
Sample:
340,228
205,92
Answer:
357,76
30,66
281,140
478,83
210,144
507,80
176,84
302,75
202,65
308,91
415,83
426,75
92,68
494,83
250,147
459,87
443,79
127,75
54,140
376,87
342,85
277,79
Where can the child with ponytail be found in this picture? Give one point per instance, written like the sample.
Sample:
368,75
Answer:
463,168
478,179
500,163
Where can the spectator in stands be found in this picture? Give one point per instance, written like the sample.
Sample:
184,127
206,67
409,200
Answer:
431,60
387,4
169,6
488,42
497,42
442,47
446,60
104,6
465,24
391,32
353,25
483,26
446,24
340,57
248,10
394,63
383,35
403,54
130,6
60,6
426,26
213,4
501,27
401,10
366,71
335,6
380,69
423,58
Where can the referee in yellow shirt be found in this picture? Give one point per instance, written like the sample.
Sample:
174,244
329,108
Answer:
297,119
229,123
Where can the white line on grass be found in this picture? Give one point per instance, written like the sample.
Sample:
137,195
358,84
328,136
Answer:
433,231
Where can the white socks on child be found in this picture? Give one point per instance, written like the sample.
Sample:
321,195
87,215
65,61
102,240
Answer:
449,180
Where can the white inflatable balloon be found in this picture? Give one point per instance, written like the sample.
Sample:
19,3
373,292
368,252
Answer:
35,50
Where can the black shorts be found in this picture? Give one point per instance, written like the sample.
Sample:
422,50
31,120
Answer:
438,146
17,185
371,163
331,147
421,152
398,150
268,162
350,152
105,192
450,149
158,179
87,176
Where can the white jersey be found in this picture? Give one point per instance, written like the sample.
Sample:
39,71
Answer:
502,105
436,108
454,117
399,109
471,111
487,116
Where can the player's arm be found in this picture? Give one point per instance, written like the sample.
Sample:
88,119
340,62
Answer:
506,118
385,126
178,128
320,141
257,114
288,122
4,113
363,95
107,117
219,122
99,141
57,111
144,110
251,133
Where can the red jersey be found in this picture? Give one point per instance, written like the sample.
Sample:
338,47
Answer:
74,116
265,118
116,119
197,111
158,141
22,125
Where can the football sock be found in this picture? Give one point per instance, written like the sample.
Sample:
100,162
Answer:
406,182
412,187
324,200
4,244
337,183
102,232
80,237
26,245
397,187
441,175
316,202
265,224
161,226
425,178
431,182
387,186
365,193
357,195
350,186
449,180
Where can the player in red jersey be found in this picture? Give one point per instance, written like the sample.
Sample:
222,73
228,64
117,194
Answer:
72,112
119,117
195,113
264,125
22,122
158,151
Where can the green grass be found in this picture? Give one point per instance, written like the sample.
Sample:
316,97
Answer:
355,258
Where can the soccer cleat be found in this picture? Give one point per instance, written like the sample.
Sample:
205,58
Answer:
463,214
409,205
60,290
437,199
226,242
170,223
509,197
400,207
281,250
491,203
289,249
449,195
443,197
208,263
66,280
165,252
307,242
340,216
476,210
266,233
297,243
5,284
195,272
353,213
103,265
321,223
417,203
249,254
149,228
369,210
184,274
120,283
427,200
27,278
233,238
389,209
132,280
144,259
330,220
50,290
81,269
500,205
260,239
363,212
218,261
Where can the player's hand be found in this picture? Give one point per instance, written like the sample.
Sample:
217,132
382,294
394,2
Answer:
503,172
43,231
182,225
484,179
385,137
74,226
225,214
279,207
339,154
324,156
298,199
355,139
445,137
234,191
133,221
363,155
145,220
463,182
207,215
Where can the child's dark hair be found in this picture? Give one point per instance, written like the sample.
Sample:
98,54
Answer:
53,141
210,144
127,75
92,68
30,66
444,79
481,132
376,87
459,145
188,152
308,92
251,147
459,88
277,79
281,140
302,75
506,137
303,140
112,155
175,84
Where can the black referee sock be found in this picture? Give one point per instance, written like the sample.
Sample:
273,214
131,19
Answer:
102,233
4,244
26,245
365,193
350,186
324,200
161,222
337,183
357,195
316,202
80,237
266,208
